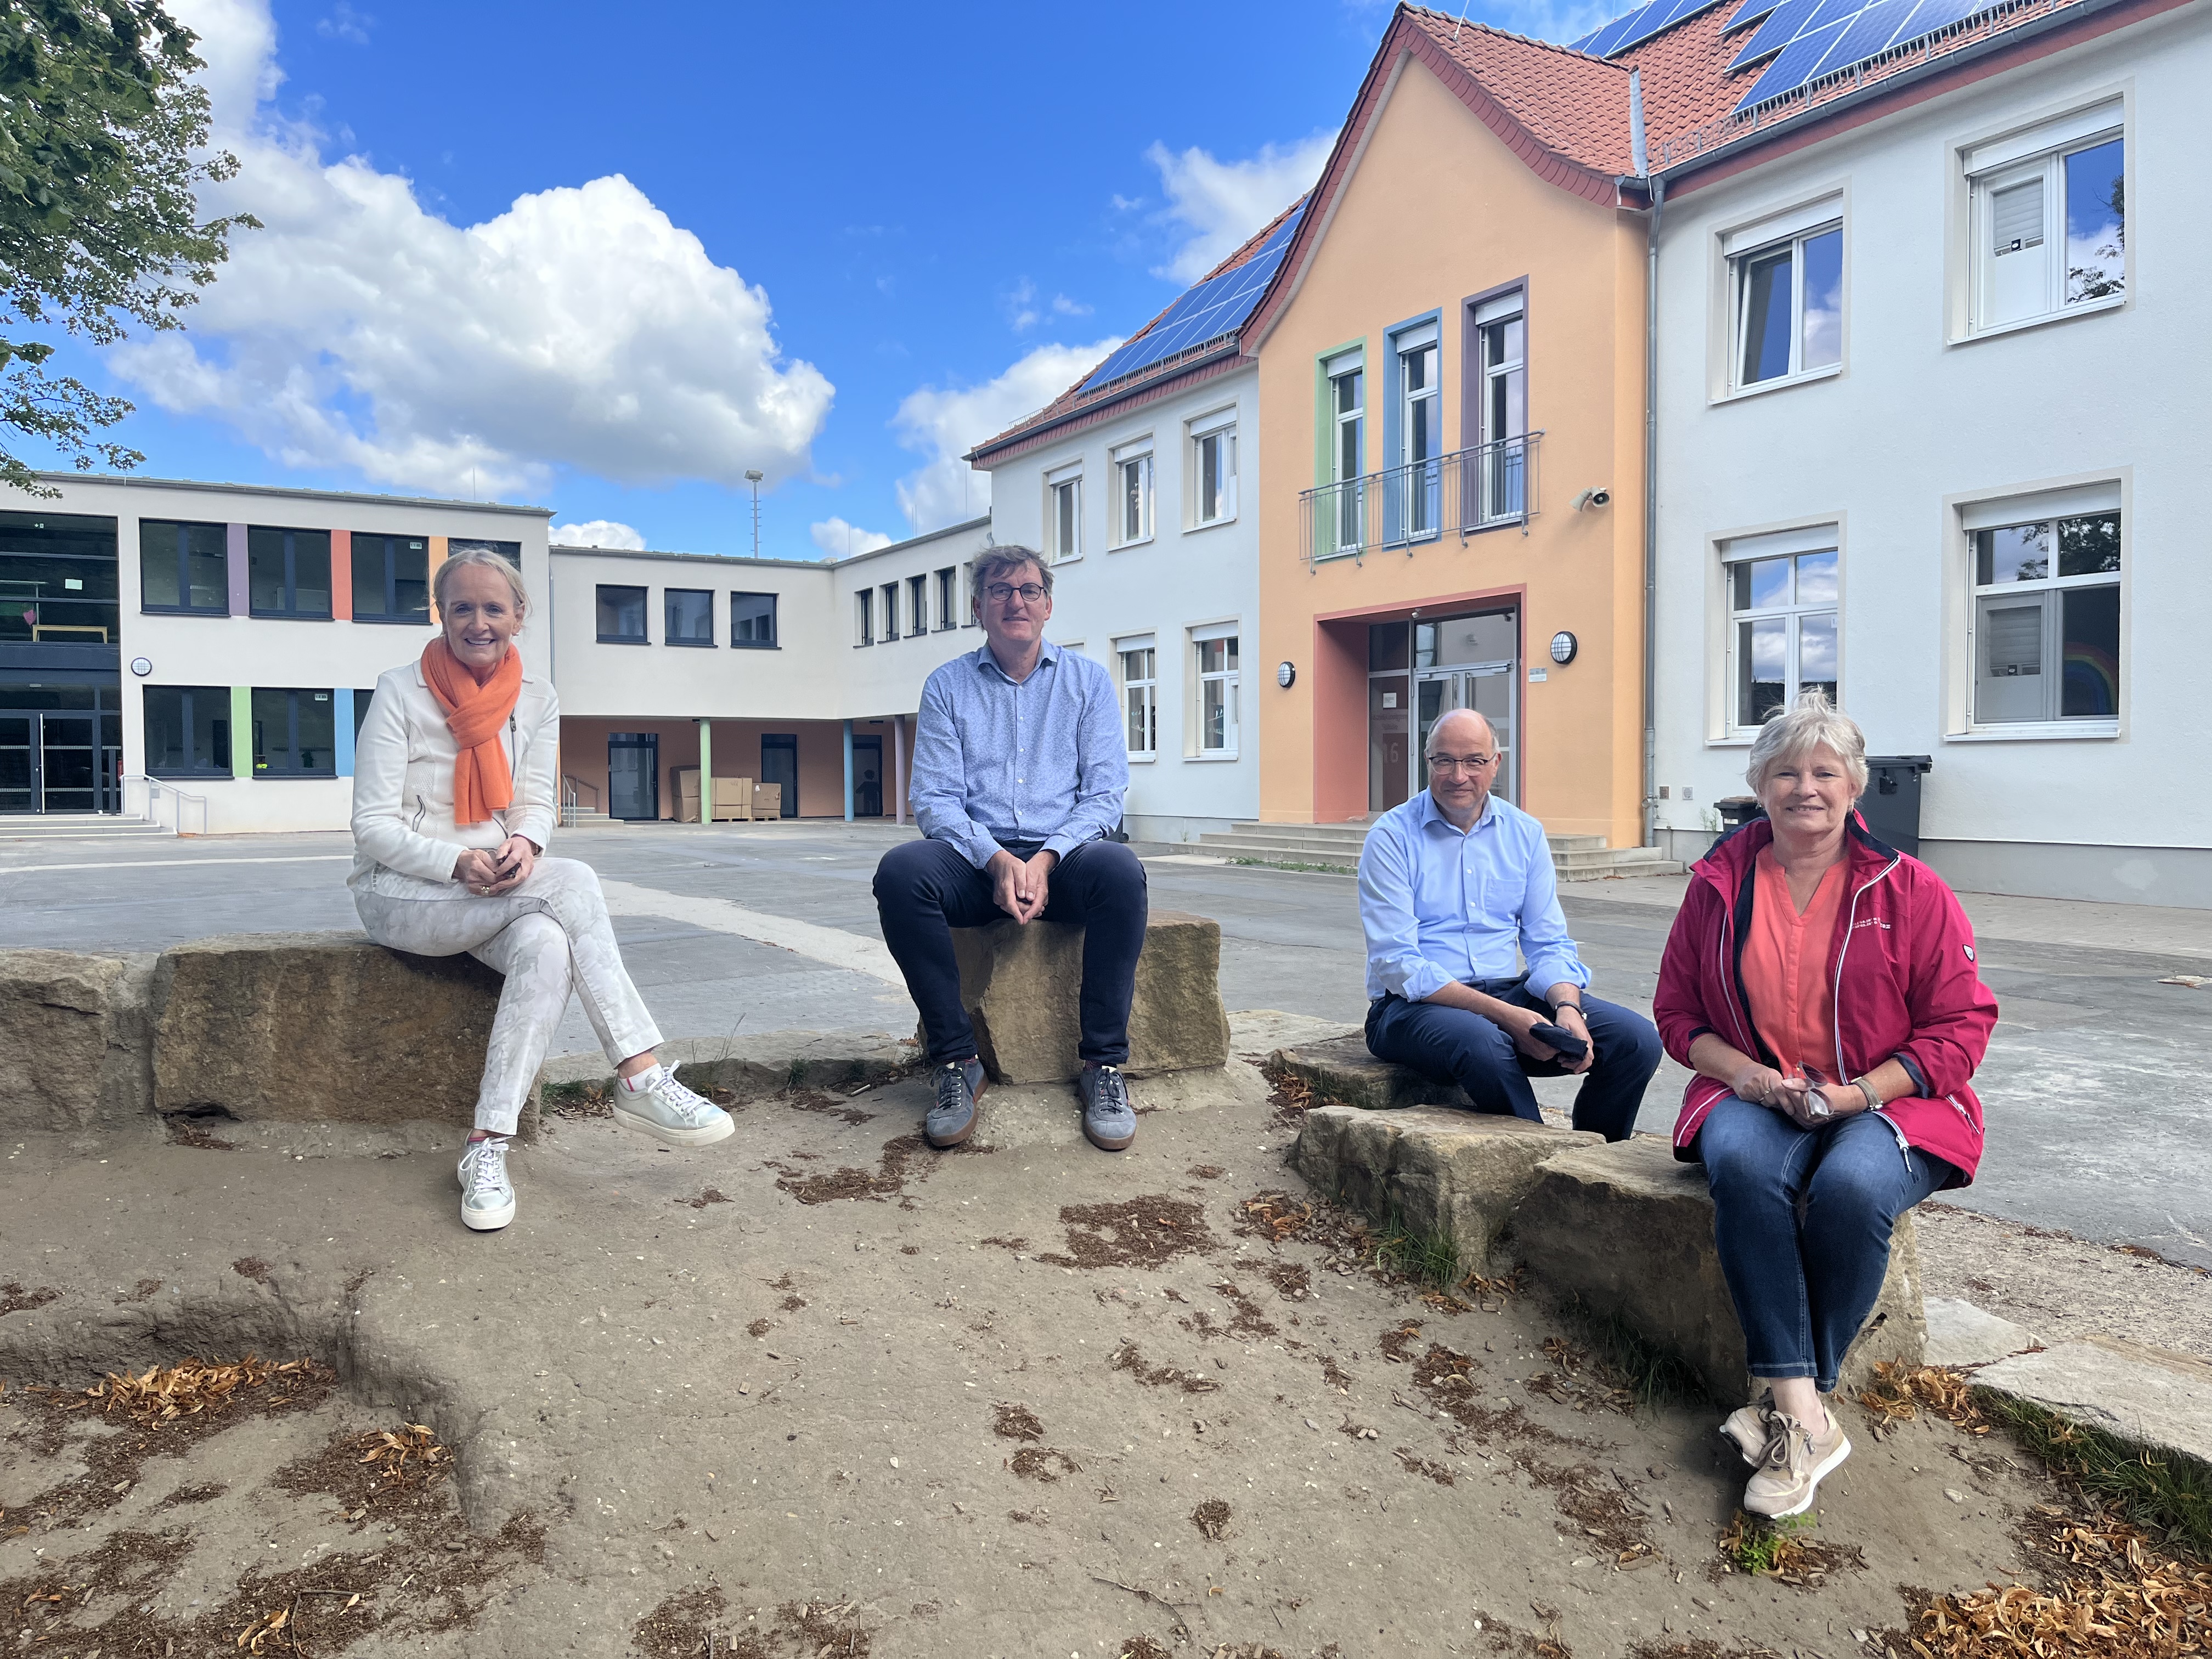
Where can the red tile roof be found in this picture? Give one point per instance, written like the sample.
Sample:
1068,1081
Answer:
1154,374
1573,106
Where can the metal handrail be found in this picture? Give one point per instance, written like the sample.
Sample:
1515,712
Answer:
1483,488
182,799
570,801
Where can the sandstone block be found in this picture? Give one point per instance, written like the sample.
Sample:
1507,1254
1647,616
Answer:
316,1027
1461,1173
1628,1232
1959,1334
1020,986
765,1063
1343,1072
76,1028
2150,1396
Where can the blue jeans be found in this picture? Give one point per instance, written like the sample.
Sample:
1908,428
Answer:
1452,1045
1803,1288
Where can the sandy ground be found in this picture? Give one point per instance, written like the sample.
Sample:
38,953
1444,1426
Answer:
819,1390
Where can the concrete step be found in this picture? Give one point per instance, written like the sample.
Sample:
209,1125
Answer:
1232,847
78,826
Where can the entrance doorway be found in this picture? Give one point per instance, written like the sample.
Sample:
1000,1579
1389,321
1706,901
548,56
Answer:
780,765
1420,671
867,777
633,774
66,762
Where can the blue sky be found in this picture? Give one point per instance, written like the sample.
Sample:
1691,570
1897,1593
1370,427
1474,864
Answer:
851,241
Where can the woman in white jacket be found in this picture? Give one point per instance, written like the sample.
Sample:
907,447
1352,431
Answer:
453,806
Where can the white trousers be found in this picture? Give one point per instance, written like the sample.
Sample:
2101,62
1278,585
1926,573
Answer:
549,937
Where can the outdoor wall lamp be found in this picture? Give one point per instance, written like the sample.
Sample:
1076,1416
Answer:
1286,675
1564,646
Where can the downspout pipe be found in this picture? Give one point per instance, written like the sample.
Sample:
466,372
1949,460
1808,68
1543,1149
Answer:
1652,500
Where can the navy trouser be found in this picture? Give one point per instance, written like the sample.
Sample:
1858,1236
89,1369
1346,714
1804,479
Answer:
1452,1045
925,889
1803,1288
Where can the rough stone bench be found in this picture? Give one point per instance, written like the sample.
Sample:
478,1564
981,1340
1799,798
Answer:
1628,1232
1020,986
1342,1073
1461,1173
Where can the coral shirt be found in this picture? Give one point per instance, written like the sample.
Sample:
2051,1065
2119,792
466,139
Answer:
1785,967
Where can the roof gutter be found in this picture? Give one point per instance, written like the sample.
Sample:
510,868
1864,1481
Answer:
1009,439
1872,92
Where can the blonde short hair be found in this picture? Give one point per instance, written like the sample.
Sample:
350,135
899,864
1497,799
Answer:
1812,722
489,559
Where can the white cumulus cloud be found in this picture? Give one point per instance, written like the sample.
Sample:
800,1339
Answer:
1220,204
944,424
579,327
839,540
597,533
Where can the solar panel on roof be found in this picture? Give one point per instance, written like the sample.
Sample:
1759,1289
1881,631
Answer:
1822,38
1633,28
1211,310
1749,13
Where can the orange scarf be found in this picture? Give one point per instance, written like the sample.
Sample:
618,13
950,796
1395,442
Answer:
482,781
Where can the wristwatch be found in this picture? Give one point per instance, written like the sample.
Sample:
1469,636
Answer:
1873,1095
1558,1008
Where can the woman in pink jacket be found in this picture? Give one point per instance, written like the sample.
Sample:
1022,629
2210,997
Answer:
1823,987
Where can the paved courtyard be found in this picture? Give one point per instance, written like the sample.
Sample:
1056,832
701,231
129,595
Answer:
2096,1085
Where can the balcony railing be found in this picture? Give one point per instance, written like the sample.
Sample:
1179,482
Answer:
1469,490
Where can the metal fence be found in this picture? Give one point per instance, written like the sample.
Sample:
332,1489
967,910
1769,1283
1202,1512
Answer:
1469,490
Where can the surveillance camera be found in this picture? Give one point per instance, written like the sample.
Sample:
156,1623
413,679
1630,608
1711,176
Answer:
1590,498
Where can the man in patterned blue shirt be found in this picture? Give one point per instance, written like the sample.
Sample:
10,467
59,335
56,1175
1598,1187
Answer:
1467,955
1019,769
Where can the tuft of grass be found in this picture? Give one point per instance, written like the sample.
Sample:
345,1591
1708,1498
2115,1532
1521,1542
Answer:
1431,1258
1759,1546
1652,1374
2170,1495
796,1077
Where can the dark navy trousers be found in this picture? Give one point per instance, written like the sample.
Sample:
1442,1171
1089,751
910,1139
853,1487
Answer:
1452,1045
925,889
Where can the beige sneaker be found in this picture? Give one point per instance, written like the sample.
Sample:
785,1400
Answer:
1793,1468
1747,1428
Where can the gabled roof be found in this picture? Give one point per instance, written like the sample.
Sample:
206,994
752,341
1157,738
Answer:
1183,365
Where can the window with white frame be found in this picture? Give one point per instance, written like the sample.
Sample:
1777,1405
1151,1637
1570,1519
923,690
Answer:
1501,325
1786,283
2049,218
1063,514
1215,653
1347,445
1140,703
2046,617
1782,592
1213,468
1132,473
1420,431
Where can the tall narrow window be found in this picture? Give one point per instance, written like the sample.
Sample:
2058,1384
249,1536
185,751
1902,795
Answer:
1347,406
2047,621
2049,218
1789,306
752,620
1133,493
1213,468
1420,425
1063,514
289,573
1216,691
864,616
948,598
917,605
1501,477
1140,696
1782,632
890,603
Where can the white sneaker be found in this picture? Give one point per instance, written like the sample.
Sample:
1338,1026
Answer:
487,1196
655,1103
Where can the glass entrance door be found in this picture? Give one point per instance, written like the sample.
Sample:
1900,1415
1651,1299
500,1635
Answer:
1488,689
633,774
780,766
69,763
19,763
867,777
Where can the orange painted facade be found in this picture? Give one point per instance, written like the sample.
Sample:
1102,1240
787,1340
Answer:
1426,210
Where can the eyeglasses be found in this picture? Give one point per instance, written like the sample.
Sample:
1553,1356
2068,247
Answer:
1469,763
999,592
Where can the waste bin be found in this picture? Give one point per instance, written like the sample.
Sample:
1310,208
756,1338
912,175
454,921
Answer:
1891,806
1736,810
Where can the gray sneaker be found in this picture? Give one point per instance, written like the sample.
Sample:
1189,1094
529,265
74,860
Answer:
487,1196
653,1102
960,1085
1108,1119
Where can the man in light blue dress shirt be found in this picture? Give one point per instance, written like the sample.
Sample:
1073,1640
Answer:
1019,769
1456,892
